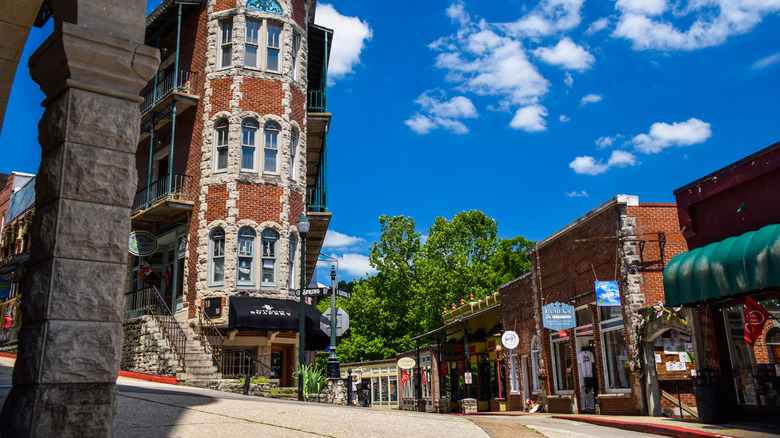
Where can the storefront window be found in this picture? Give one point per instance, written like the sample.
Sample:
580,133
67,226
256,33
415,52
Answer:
393,388
564,379
615,355
375,389
756,383
385,389
536,361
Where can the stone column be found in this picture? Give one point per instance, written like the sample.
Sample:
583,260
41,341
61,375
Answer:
91,69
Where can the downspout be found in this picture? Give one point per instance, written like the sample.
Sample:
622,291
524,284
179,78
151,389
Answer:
175,88
325,138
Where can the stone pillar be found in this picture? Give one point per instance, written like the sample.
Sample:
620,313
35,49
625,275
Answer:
91,69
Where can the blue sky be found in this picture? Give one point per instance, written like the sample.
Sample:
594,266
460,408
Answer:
533,112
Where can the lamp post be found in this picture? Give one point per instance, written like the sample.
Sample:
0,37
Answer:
333,359
303,230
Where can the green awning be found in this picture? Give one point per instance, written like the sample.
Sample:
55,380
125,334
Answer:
738,264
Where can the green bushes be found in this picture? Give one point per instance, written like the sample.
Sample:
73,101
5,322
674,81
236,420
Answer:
313,379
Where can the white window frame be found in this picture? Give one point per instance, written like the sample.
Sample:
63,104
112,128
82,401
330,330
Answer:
221,133
536,357
296,47
292,259
245,256
258,37
294,146
225,40
271,129
606,327
249,129
214,245
269,237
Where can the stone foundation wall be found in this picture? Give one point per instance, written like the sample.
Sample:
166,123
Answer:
145,349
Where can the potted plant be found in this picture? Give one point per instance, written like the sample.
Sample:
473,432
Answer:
542,374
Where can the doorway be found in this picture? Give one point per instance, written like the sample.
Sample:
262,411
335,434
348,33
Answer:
282,364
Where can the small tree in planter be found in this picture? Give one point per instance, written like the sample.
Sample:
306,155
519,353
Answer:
313,379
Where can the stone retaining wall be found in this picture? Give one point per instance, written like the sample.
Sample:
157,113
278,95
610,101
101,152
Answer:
145,349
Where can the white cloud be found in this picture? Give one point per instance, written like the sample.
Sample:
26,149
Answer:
568,80
566,54
457,12
597,26
766,61
334,239
605,142
663,135
591,98
587,165
354,265
350,35
576,194
549,17
530,119
709,22
441,113
564,118
647,7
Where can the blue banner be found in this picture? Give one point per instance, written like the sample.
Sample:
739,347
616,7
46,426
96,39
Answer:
5,289
558,316
607,294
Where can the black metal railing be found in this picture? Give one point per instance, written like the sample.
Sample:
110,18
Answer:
317,201
148,301
183,80
179,187
230,363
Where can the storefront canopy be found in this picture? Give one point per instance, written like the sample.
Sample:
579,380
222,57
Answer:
269,315
738,264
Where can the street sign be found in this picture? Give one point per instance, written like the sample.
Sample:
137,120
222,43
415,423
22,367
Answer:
312,291
342,322
343,294
406,363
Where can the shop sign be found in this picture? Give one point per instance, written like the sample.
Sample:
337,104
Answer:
510,339
5,289
142,243
452,352
558,316
406,363
607,294
563,334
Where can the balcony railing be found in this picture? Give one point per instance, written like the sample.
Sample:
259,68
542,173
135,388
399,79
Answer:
318,200
318,101
183,80
180,188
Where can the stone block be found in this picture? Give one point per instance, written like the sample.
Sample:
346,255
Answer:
82,231
87,173
68,352
67,289
61,410
468,406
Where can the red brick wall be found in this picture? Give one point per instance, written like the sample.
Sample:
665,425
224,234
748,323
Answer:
299,12
298,106
261,96
221,94
296,206
259,203
216,202
517,312
221,5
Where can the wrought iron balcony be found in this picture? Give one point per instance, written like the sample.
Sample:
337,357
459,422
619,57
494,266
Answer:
178,188
317,201
183,80
318,101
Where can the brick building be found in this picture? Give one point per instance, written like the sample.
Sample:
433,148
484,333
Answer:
731,221
231,154
596,363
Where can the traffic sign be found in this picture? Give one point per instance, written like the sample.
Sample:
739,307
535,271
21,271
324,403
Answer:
312,291
342,322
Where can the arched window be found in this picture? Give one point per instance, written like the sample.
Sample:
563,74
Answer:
291,259
294,154
217,257
246,257
221,146
271,148
248,145
270,240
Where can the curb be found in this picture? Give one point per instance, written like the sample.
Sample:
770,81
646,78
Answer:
129,374
657,429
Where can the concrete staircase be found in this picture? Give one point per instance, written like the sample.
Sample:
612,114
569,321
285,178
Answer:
199,364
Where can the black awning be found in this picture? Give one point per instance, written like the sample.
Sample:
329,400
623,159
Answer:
270,315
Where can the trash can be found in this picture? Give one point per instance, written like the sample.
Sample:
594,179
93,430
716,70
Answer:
709,404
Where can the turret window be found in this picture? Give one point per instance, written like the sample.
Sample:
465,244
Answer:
225,44
262,45
248,146
271,148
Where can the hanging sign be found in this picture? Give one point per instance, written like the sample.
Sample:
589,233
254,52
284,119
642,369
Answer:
142,243
558,316
406,363
755,317
5,289
510,339
607,294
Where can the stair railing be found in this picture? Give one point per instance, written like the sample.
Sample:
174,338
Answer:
148,301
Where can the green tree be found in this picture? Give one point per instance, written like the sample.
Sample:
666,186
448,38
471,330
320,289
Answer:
510,260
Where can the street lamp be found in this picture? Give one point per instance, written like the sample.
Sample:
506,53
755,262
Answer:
303,230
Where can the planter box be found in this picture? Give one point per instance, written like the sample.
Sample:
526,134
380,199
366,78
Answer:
559,404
